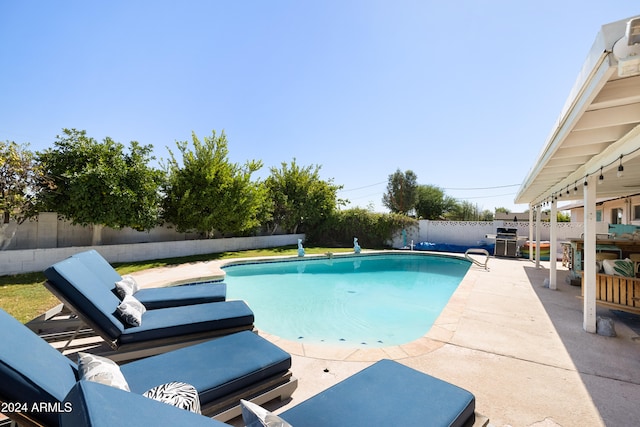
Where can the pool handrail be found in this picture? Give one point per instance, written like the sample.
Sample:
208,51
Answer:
478,251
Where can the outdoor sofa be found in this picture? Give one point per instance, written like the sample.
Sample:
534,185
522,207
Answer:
386,393
35,378
153,298
157,331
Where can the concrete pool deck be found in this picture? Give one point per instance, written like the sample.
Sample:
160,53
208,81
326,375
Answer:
518,346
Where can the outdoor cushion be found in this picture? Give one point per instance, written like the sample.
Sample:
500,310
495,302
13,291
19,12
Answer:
153,298
254,415
98,405
173,296
24,356
188,319
215,368
389,391
126,286
131,310
80,286
179,394
618,267
101,370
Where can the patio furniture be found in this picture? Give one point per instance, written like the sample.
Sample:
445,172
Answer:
153,298
33,375
159,330
617,292
386,393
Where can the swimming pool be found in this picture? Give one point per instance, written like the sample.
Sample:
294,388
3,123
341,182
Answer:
358,301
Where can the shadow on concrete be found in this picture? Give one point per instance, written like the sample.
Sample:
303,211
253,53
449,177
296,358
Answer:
608,366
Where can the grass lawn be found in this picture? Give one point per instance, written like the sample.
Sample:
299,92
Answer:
24,297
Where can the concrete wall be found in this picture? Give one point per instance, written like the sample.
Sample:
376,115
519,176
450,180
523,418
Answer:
471,232
29,260
136,246
474,233
47,231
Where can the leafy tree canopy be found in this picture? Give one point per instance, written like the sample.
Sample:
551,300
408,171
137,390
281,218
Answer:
401,192
99,183
432,203
207,193
464,211
18,175
299,197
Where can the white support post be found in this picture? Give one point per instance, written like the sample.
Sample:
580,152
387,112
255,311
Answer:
589,265
531,209
538,227
553,258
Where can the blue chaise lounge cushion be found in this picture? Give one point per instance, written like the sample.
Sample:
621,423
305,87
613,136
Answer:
82,287
389,393
97,405
215,368
153,298
32,371
188,319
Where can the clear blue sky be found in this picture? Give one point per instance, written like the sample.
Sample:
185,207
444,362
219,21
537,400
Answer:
462,93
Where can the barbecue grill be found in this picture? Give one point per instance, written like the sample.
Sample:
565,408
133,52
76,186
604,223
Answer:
506,242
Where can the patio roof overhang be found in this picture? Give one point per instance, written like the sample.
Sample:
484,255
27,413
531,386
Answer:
598,129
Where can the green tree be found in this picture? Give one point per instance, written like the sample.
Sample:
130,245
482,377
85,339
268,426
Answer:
373,230
486,215
299,197
464,211
503,210
18,192
100,184
432,203
401,192
18,176
209,194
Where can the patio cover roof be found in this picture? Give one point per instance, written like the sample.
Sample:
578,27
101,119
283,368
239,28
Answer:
599,123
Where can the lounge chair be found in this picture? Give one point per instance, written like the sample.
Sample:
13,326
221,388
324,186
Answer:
386,393
160,329
223,371
153,298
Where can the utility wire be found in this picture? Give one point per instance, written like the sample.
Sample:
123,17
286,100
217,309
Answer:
360,188
484,188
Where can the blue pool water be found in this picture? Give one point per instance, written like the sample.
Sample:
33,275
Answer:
356,301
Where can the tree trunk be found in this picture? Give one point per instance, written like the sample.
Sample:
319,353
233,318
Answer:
96,239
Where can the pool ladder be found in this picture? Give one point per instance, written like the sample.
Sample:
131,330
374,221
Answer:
478,251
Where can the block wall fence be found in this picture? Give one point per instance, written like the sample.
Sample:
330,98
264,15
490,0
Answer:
38,244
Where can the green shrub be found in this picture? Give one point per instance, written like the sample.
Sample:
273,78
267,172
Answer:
373,230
